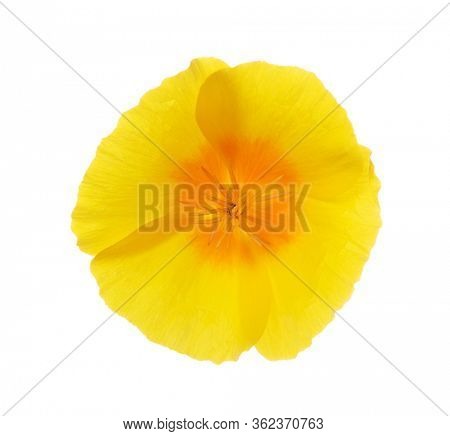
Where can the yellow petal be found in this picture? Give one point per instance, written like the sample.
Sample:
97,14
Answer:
257,98
289,109
329,260
106,210
192,304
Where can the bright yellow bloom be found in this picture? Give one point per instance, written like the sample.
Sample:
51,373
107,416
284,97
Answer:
213,295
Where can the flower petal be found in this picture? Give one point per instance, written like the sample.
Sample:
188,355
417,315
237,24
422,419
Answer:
329,260
258,99
106,210
289,109
207,310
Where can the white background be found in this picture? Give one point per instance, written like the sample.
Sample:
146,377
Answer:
50,125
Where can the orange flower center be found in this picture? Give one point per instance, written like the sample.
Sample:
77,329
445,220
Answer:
240,200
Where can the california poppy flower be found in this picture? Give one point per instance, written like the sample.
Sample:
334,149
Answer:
215,293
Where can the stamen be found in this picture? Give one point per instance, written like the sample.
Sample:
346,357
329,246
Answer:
214,233
273,196
213,178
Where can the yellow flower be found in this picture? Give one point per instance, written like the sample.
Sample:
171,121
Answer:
216,293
